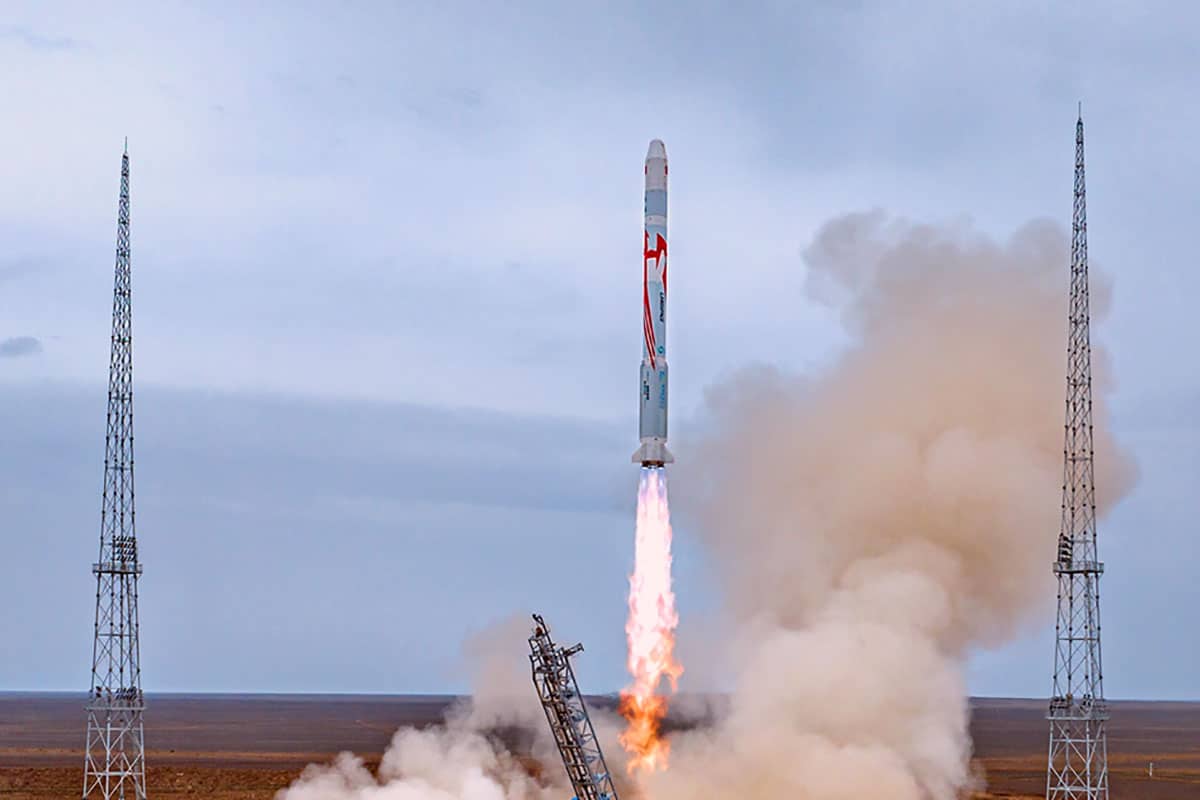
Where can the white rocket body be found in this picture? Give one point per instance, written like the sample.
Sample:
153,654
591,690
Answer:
652,400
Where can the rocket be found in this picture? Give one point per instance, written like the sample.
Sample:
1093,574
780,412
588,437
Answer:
652,399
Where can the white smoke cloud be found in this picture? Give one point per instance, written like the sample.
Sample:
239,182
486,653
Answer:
465,758
873,523
449,762
461,759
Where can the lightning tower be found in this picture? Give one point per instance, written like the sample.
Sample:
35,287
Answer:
1078,763
569,722
115,764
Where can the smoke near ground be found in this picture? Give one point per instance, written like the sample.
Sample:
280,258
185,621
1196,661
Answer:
464,758
872,523
869,525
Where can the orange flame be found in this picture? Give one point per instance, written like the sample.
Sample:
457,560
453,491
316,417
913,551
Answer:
650,630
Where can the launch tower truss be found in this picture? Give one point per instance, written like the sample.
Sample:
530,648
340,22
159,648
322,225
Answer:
1078,761
114,765
569,722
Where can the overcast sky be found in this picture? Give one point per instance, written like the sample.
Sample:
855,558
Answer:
386,304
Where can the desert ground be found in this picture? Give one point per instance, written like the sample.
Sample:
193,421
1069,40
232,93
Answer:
249,746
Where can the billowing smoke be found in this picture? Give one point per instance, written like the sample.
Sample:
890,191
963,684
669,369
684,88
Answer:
464,758
872,523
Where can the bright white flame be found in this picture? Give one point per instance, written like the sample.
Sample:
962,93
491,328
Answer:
650,629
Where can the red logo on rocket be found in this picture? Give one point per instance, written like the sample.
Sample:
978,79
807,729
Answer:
653,258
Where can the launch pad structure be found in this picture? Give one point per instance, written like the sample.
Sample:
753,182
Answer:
570,724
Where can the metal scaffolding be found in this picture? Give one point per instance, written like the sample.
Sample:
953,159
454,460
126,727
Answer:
569,722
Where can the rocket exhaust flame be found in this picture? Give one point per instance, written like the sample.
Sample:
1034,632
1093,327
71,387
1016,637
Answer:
650,629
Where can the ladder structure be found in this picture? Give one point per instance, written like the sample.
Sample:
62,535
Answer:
569,722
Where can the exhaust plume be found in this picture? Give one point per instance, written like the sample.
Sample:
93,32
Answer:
650,629
874,523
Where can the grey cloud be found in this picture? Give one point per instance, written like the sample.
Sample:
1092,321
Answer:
19,346
13,268
38,41
262,518
352,234
278,450
1153,410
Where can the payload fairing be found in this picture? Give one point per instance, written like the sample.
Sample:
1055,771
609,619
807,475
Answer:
652,410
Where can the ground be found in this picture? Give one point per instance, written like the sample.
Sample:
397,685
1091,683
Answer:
249,747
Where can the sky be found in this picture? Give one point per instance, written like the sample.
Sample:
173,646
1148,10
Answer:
386,310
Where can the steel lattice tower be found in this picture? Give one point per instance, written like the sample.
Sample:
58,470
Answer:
1078,763
115,765
569,722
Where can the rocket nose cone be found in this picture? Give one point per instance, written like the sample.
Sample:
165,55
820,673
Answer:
657,150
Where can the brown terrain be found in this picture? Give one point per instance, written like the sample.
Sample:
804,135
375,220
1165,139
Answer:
248,747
